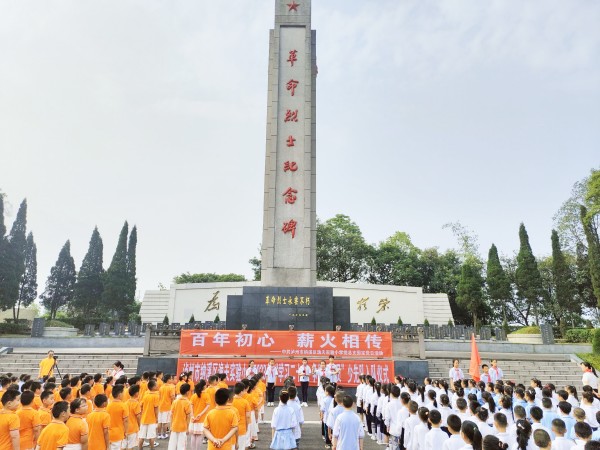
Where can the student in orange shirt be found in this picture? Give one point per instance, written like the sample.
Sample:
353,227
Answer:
149,417
212,389
98,424
159,378
75,384
97,387
36,388
56,434
66,395
119,414
167,395
77,425
245,410
181,412
45,412
9,421
222,384
86,393
200,407
221,423
108,386
135,412
29,419
144,384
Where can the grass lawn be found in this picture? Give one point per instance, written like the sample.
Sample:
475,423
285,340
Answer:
591,358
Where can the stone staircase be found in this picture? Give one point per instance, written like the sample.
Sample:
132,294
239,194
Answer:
558,371
68,362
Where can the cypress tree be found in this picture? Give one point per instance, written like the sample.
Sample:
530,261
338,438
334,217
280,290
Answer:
28,286
591,235
470,288
89,285
498,284
583,280
131,269
6,268
116,285
527,275
563,282
61,282
12,254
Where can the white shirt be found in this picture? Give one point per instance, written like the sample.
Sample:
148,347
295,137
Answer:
333,414
284,417
418,440
562,443
331,372
434,439
590,414
359,393
455,374
579,445
484,428
251,371
507,438
348,430
299,417
409,425
455,442
304,372
271,374
496,374
390,415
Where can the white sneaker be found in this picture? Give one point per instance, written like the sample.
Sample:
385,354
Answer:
373,437
304,404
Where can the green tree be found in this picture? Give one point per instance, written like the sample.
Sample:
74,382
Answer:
395,261
583,280
131,268
12,258
563,284
498,284
528,279
87,301
470,288
593,243
28,286
116,281
567,220
187,278
342,252
61,282
256,265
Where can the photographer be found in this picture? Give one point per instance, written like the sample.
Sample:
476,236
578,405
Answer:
47,366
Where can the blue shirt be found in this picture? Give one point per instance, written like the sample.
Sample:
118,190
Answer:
348,430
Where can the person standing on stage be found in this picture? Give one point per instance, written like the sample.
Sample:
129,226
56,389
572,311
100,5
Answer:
332,371
455,373
495,371
47,366
304,372
271,375
320,372
251,370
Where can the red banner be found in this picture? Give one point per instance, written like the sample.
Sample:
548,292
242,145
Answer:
312,344
236,369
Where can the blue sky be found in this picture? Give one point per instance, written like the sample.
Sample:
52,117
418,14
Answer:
427,112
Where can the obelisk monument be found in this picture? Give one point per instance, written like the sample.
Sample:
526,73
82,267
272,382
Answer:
289,257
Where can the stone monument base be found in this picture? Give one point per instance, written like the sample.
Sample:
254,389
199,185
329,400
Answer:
278,308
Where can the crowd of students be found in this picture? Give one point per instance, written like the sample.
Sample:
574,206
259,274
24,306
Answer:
463,414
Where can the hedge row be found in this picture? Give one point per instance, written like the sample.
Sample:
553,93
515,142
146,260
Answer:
577,335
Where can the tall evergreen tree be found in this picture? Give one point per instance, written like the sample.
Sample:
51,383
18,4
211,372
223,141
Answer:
5,260
28,286
470,288
61,282
116,281
89,285
131,269
12,253
564,287
528,278
583,280
591,235
498,284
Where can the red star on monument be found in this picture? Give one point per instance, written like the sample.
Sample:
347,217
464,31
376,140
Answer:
293,6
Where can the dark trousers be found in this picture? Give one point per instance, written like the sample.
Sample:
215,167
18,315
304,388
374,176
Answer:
327,440
304,385
270,392
369,421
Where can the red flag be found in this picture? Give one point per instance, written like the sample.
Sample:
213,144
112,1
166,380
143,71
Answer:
475,360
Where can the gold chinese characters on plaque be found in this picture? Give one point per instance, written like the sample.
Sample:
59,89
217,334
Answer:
288,301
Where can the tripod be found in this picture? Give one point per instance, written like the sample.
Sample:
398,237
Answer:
55,366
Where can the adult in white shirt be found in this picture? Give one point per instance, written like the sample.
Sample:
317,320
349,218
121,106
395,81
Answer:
455,373
251,370
321,372
304,372
332,370
271,376
116,372
589,378
348,432
495,371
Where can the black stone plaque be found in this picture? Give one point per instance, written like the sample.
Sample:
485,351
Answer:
547,334
276,308
37,328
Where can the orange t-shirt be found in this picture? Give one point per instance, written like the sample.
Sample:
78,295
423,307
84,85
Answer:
180,409
29,418
178,387
56,434
143,388
108,391
242,407
149,402
198,405
167,392
90,406
97,421
45,416
118,411
57,396
9,421
211,391
222,385
78,428
37,403
159,382
97,389
135,408
220,421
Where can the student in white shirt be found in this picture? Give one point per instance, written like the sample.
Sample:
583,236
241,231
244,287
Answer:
455,373
421,429
401,417
304,372
410,423
462,411
283,423
524,438
587,404
382,432
572,399
360,389
491,442
500,430
332,370
583,433
390,417
271,376
251,370
589,378
542,440
471,436
455,442
495,371
435,438
334,411
348,432
560,430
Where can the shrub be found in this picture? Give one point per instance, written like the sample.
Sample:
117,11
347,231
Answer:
57,323
528,330
450,323
596,342
217,319
373,321
426,322
14,328
577,335
399,321
192,319
166,320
